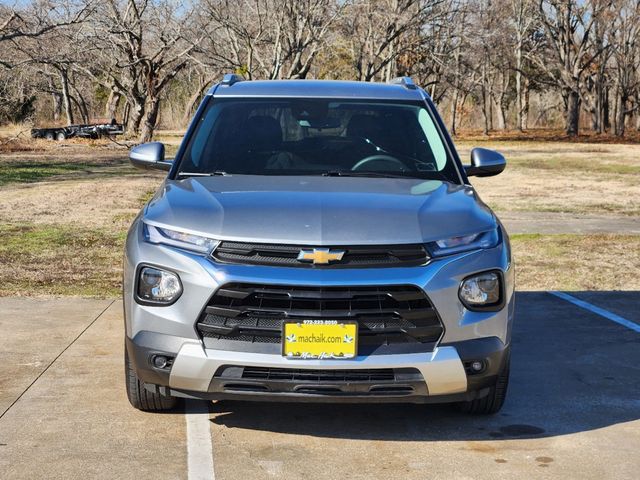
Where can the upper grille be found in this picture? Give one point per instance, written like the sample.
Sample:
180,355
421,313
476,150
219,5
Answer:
385,315
287,255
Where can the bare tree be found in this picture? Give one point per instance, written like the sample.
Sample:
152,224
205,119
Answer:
568,25
525,22
37,18
431,60
142,45
271,39
380,31
625,33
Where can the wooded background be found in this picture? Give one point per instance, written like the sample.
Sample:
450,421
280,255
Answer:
488,64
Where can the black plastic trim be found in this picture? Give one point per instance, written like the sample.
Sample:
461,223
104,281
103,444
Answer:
491,350
140,352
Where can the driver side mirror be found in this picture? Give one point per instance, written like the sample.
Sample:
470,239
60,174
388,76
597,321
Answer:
149,156
485,163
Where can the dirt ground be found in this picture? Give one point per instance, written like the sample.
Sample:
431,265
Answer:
65,208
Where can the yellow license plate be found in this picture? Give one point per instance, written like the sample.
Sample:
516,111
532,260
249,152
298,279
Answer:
320,339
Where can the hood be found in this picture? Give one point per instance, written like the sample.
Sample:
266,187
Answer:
318,210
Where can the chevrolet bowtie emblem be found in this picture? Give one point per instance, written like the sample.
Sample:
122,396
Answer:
320,256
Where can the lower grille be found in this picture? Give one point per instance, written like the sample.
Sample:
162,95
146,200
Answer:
287,255
377,382
303,375
253,313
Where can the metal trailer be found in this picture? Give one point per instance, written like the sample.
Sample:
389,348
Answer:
82,131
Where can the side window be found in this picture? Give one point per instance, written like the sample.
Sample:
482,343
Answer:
433,137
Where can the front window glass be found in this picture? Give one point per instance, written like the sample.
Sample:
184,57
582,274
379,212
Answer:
317,137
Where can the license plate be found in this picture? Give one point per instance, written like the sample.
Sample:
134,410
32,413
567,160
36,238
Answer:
320,339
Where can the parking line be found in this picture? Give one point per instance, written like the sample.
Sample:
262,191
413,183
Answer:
600,311
199,447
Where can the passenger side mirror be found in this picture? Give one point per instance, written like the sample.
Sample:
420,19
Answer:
485,163
149,156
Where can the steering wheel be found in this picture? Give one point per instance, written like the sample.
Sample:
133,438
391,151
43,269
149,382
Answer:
379,163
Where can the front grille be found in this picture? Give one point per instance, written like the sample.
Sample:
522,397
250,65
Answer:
287,255
386,315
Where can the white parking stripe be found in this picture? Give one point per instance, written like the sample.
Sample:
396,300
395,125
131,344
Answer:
600,311
199,448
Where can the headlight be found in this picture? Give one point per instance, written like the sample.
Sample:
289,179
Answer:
158,286
481,290
449,246
175,238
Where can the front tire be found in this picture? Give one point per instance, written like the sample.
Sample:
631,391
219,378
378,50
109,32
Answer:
493,401
141,398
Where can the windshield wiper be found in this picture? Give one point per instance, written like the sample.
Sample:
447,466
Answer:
217,173
352,173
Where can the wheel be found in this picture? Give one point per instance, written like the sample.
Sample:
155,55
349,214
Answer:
49,136
141,398
60,136
493,401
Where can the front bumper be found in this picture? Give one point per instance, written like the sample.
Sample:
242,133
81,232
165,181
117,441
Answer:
441,375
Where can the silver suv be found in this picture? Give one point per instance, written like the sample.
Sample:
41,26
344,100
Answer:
317,241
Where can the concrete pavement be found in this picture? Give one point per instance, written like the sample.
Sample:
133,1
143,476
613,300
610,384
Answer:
549,223
573,409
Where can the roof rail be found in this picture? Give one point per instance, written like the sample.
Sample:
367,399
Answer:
406,82
231,78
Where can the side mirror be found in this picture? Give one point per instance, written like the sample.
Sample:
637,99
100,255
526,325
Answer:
485,163
149,156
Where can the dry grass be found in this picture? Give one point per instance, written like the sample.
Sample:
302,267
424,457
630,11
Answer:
577,262
65,209
563,177
544,135
64,212
60,260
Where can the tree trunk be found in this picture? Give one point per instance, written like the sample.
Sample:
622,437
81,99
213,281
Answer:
57,106
501,111
485,114
125,113
82,108
525,104
606,123
454,111
194,100
150,119
66,99
78,99
620,116
519,89
136,111
573,113
111,108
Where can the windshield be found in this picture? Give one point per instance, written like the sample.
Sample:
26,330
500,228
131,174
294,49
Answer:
317,137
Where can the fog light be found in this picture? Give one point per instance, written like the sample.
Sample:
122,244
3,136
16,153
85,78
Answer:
477,366
160,361
482,290
158,286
